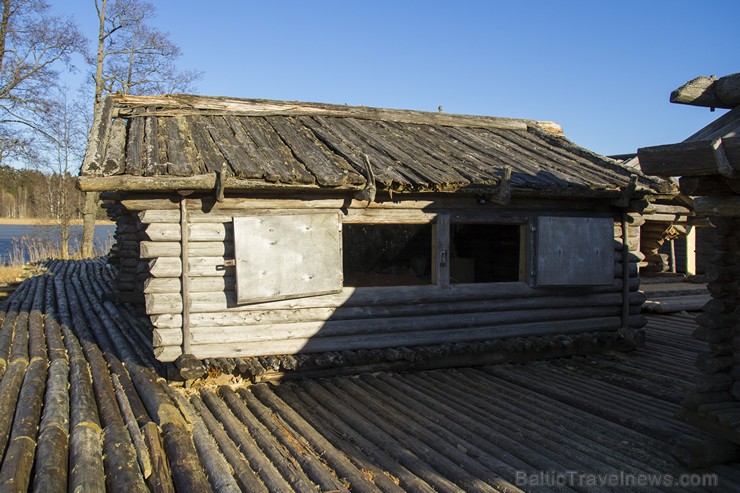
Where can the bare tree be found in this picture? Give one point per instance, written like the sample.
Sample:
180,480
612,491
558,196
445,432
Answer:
132,58
64,146
34,46
136,58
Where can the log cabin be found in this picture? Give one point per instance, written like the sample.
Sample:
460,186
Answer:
708,163
249,227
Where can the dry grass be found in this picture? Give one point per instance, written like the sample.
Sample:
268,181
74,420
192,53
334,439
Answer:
10,273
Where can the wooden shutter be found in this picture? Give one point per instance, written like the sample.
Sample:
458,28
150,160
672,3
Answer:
574,251
280,257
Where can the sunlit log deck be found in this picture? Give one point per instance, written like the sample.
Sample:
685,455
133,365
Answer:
84,407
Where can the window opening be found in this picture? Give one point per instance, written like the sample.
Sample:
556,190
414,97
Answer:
485,253
386,254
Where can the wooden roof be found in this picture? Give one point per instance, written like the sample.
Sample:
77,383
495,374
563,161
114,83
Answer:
183,141
83,405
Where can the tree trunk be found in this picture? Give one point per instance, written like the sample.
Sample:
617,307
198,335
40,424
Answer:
88,223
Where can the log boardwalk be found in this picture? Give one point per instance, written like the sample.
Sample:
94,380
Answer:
84,407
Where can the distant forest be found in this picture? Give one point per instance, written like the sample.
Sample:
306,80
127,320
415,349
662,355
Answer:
26,193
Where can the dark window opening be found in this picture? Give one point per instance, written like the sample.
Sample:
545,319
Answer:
485,253
386,254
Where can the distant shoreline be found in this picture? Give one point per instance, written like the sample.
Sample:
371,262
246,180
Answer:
35,221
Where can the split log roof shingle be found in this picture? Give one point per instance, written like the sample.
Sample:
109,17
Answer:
258,143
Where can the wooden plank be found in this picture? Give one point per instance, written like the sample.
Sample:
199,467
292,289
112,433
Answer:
278,157
384,168
185,277
153,163
328,168
135,155
178,163
241,163
282,257
206,152
114,162
441,251
573,251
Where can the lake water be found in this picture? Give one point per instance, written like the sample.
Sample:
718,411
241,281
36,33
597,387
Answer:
13,236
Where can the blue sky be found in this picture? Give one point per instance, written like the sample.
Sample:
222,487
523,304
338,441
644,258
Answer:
603,70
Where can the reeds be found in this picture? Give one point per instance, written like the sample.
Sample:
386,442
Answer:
44,243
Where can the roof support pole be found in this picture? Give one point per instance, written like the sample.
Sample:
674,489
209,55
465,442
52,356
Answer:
625,272
185,276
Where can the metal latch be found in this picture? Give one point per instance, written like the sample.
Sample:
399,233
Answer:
230,262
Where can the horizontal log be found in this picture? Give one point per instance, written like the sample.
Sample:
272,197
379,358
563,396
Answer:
377,341
231,318
165,267
154,249
199,183
351,215
157,216
198,267
427,202
708,185
167,321
167,353
718,206
693,158
389,326
210,267
211,249
220,301
165,203
160,232
197,284
709,92
698,92
331,328
669,218
198,232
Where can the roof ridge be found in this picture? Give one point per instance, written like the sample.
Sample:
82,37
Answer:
179,104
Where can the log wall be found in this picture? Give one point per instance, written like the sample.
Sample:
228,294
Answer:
149,249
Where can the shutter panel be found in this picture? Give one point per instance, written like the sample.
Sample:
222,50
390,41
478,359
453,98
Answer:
575,251
280,257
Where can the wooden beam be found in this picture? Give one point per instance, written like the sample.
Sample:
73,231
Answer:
696,158
710,92
725,206
181,104
288,346
697,92
196,183
441,251
185,277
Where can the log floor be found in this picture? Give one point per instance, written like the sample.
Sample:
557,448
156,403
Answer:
82,406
